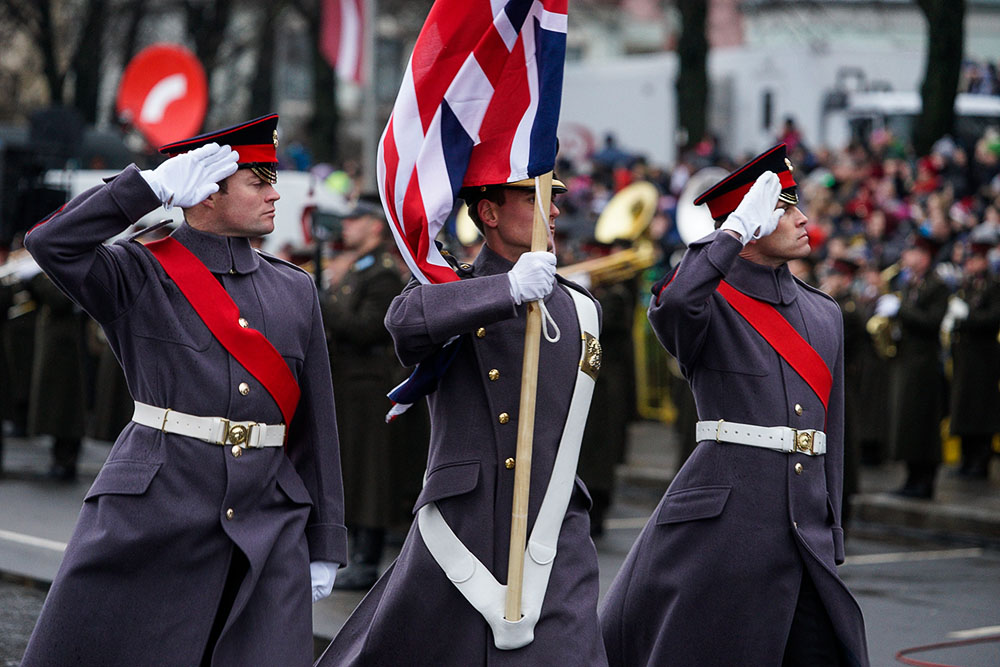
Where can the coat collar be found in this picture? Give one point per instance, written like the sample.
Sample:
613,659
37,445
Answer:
220,254
488,263
763,282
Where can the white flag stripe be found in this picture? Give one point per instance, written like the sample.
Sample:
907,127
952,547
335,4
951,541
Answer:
520,148
554,22
435,188
473,96
506,29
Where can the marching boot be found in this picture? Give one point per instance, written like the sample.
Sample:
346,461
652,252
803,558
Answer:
65,453
362,572
976,451
919,481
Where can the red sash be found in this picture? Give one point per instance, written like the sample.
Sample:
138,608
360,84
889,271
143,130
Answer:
783,337
221,315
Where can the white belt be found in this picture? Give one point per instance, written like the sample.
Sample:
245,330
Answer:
778,438
214,430
468,574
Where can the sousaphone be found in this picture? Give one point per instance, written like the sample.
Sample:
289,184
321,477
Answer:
625,217
694,222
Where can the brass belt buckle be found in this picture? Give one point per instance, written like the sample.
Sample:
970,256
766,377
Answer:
236,433
804,441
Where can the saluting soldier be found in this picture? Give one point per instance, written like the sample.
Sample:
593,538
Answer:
916,375
364,369
748,535
441,602
975,354
198,539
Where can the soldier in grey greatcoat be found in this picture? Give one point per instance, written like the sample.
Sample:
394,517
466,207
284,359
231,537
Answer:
416,614
364,368
737,565
214,514
917,383
975,354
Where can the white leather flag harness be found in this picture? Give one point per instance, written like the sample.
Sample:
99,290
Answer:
473,579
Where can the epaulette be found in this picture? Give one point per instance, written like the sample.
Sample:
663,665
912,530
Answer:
277,260
135,236
814,290
463,269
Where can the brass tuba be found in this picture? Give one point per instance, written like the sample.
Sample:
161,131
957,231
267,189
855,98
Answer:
884,330
626,216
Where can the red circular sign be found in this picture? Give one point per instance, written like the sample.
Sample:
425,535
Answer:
163,93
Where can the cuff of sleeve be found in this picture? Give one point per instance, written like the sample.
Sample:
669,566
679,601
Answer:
723,251
838,545
327,542
132,193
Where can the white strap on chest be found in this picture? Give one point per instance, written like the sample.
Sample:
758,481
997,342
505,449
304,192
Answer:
473,579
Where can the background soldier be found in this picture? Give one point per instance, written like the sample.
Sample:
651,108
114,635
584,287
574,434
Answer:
364,368
916,376
58,404
975,354
839,283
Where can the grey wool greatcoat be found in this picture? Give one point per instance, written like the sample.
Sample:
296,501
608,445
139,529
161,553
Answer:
714,576
144,571
414,616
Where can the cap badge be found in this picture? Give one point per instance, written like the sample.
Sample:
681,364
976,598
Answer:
788,163
275,137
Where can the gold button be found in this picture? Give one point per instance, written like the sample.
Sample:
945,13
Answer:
504,417
230,513
494,375
244,388
346,289
798,468
244,323
798,409
237,451
480,333
232,272
509,464
465,266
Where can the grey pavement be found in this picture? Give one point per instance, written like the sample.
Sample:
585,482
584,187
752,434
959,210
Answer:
37,518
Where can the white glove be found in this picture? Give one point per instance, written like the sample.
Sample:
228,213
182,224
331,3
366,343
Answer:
323,574
957,308
887,305
189,178
756,216
532,277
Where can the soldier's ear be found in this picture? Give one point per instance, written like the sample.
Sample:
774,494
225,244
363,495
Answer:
488,212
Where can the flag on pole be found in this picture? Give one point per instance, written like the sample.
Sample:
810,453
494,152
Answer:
342,37
478,104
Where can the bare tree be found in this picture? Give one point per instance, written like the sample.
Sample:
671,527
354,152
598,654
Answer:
692,73
945,45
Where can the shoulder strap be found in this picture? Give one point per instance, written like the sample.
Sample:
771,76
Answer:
221,315
783,337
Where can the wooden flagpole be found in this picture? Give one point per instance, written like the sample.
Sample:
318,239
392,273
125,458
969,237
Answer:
526,413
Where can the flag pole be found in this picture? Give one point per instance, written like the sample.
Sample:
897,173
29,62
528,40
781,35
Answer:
526,413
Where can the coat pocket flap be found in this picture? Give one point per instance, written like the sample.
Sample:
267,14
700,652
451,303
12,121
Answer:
125,478
447,481
703,502
292,484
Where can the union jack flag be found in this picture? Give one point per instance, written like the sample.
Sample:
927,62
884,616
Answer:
478,104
